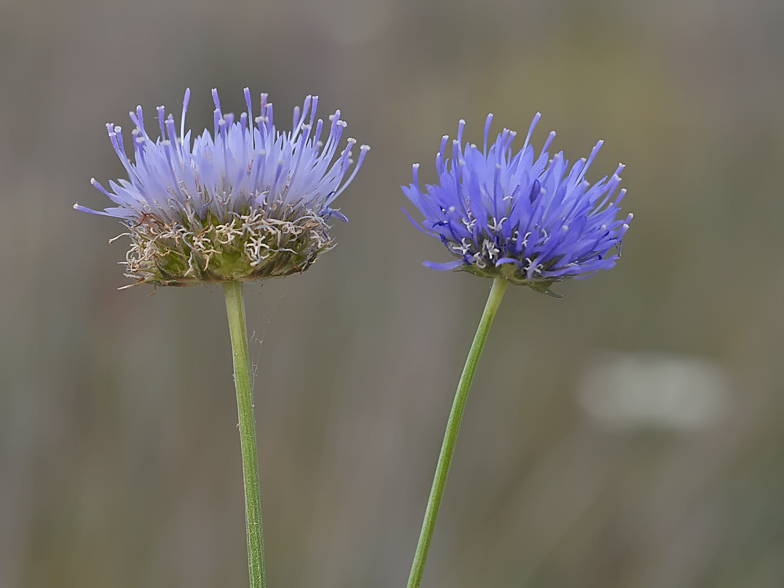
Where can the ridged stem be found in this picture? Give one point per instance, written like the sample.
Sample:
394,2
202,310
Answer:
235,308
452,428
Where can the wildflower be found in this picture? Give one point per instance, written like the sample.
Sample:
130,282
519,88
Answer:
245,203
518,219
528,220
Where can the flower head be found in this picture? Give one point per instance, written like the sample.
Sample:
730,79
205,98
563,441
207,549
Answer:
244,203
528,219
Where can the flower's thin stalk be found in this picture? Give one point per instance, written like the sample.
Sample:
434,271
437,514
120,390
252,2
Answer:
235,308
452,428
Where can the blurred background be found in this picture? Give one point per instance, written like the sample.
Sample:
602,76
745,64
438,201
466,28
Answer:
629,435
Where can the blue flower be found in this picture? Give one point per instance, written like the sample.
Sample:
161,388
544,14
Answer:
528,219
244,203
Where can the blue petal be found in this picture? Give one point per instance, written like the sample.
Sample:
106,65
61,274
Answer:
443,266
417,225
504,260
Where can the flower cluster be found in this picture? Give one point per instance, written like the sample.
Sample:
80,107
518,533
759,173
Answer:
528,219
245,203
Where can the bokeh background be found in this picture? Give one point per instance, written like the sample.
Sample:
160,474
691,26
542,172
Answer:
629,435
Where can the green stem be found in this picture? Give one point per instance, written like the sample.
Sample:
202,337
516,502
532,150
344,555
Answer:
235,308
452,428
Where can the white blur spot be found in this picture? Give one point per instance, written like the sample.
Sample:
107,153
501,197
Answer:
627,390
